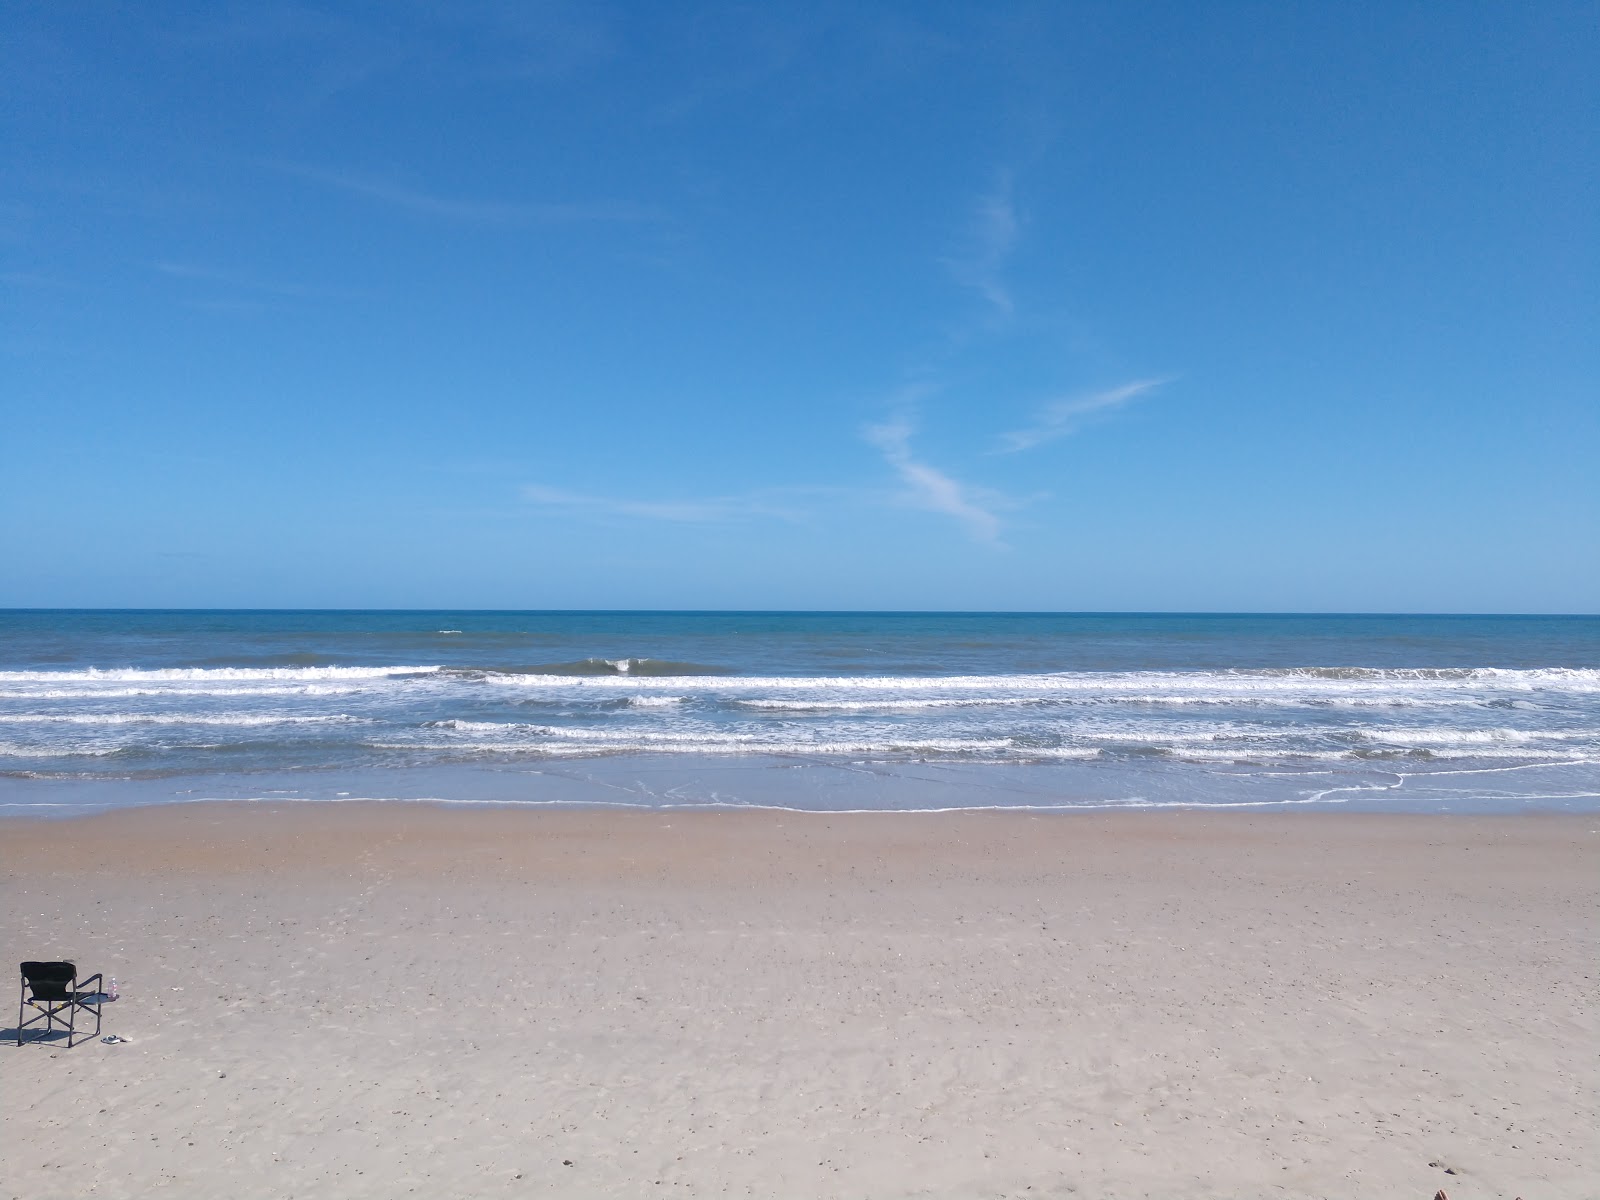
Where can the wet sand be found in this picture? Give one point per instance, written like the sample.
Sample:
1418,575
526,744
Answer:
375,1000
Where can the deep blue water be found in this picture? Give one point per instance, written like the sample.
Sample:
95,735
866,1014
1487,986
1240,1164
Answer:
810,710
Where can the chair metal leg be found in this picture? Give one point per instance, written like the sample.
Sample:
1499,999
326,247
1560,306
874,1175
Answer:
64,1011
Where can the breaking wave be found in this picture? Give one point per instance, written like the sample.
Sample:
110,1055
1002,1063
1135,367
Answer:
630,668
1305,719
240,719
93,675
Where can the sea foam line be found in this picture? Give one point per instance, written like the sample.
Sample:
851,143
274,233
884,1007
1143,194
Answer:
1423,736
584,743
206,674
1130,802
170,718
181,691
1152,685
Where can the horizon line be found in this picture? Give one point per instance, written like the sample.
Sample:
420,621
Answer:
838,612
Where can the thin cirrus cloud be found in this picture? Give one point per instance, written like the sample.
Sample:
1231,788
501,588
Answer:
1062,417
482,212
207,276
714,509
931,489
995,228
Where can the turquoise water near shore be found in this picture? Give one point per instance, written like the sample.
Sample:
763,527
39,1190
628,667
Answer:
804,710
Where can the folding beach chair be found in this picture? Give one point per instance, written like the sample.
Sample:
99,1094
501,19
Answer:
55,991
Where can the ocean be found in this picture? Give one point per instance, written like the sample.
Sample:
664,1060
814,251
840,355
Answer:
816,711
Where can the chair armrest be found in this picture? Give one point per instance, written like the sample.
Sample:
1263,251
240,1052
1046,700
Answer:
97,975
80,988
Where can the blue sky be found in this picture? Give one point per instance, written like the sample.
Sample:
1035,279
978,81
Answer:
1057,306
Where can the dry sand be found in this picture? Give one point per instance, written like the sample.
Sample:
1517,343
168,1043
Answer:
363,1000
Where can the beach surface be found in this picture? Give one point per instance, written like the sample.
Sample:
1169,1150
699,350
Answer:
385,999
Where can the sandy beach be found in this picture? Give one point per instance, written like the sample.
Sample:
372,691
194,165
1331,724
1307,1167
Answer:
379,1000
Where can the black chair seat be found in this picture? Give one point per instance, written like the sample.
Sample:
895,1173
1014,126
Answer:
52,988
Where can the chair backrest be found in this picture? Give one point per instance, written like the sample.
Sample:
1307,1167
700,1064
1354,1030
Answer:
50,980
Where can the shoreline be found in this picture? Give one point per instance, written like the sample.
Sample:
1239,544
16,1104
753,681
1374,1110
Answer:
532,810
667,783
286,825
364,999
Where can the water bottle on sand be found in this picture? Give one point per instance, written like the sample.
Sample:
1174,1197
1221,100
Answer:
111,988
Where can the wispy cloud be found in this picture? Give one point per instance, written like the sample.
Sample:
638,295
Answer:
207,275
993,236
464,41
694,511
482,212
1061,417
931,488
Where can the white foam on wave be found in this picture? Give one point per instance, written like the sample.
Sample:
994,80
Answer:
552,741
1289,700
170,719
885,705
1401,701
178,691
1358,686
18,750
1265,756
97,675
1426,773
1551,756
1582,677
654,701
1330,681
518,735
1431,737
1256,755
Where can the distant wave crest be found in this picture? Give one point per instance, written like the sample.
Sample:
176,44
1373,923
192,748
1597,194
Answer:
207,674
617,668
